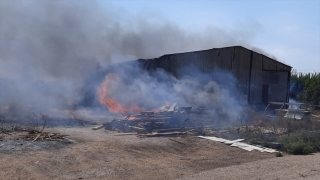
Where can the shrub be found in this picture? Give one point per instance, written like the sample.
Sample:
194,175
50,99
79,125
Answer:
299,148
305,87
279,154
301,142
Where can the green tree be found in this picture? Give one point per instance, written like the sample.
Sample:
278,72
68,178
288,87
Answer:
311,93
305,87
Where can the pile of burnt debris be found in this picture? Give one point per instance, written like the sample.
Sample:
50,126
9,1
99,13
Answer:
34,135
29,133
172,121
17,137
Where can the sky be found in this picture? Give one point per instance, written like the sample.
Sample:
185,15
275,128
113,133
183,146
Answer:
64,38
288,30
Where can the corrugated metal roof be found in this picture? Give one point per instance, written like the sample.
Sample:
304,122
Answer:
273,60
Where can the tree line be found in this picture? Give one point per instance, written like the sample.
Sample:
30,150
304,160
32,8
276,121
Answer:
305,87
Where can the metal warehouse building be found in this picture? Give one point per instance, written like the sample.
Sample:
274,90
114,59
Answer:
260,79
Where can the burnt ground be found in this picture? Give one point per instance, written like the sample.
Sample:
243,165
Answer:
18,141
89,154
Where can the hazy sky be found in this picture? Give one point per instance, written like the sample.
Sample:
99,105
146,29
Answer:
54,36
286,29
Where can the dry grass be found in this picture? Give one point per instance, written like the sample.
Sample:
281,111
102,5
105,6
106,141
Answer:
290,135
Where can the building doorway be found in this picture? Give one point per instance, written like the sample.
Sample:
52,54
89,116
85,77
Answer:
265,93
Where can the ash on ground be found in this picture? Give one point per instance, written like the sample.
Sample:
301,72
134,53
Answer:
18,138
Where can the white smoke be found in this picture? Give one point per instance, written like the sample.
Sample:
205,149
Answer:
49,49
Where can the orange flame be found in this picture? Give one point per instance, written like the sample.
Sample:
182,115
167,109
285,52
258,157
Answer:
167,104
133,118
258,121
103,94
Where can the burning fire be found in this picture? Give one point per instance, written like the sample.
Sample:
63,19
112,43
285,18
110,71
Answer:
167,104
104,92
258,121
6,108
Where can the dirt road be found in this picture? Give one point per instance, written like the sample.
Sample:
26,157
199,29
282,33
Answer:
107,155
284,168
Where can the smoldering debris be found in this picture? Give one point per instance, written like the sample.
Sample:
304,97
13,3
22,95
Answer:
32,136
170,120
17,137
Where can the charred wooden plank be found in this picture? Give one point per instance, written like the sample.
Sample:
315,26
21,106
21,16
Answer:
169,130
164,134
177,141
97,127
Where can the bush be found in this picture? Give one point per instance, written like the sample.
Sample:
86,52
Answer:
305,87
279,154
302,143
299,148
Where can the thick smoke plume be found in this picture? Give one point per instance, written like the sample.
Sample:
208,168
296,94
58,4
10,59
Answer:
49,50
133,90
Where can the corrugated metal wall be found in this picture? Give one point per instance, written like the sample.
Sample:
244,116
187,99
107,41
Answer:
278,86
241,70
256,78
250,69
264,71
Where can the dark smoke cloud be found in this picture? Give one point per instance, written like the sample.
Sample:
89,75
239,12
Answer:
58,44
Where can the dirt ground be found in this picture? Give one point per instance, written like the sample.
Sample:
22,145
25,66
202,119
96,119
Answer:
284,168
89,154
